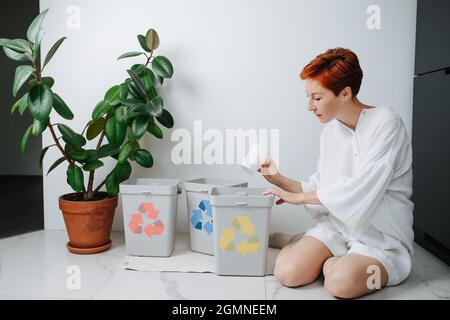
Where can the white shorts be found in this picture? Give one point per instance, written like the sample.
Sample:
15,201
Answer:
396,259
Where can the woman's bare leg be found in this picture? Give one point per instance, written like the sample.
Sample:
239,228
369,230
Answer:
347,276
301,263
328,265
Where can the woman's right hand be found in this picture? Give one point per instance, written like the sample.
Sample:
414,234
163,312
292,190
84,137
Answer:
269,169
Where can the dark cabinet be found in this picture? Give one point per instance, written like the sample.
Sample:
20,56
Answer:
431,152
432,35
431,128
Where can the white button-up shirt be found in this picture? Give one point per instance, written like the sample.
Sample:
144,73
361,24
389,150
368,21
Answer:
364,178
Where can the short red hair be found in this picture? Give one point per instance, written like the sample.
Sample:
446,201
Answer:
335,69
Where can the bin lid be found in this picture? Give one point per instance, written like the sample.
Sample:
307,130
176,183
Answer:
150,186
240,196
205,184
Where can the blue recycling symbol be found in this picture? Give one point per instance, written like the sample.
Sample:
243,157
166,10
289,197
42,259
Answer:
202,219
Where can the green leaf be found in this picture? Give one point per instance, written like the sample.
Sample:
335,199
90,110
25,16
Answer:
165,119
162,67
152,39
148,77
40,102
55,164
121,114
23,144
100,110
49,81
78,155
71,137
161,80
135,111
131,102
138,82
143,43
134,147
36,52
138,68
124,153
92,155
114,131
154,107
144,158
3,41
130,54
75,177
86,126
138,127
94,165
61,107
19,46
42,154
52,50
20,104
35,27
107,150
135,93
95,128
16,56
155,130
122,171
112,187
21,76
38,127
124,91
112,96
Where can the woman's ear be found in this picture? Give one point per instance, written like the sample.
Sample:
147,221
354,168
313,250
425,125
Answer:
346,93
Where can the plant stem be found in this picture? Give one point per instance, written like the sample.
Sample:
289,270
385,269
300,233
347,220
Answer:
149,57
90,193
99,186
49,125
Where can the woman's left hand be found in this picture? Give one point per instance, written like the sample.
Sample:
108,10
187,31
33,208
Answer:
285,196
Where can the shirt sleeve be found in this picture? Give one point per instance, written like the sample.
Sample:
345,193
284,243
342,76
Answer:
312,184
353,199
315,210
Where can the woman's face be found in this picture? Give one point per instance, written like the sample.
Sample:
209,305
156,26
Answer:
322,101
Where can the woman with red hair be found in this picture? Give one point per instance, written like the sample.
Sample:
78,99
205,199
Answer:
359,195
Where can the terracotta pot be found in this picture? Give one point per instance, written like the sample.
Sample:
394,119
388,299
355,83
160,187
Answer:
88,223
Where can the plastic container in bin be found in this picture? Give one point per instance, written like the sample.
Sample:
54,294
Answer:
149,215
241,220
200,217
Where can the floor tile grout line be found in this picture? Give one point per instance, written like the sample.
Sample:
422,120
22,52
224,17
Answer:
427,286
103,284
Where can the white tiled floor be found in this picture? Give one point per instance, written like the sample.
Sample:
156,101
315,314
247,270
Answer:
34,266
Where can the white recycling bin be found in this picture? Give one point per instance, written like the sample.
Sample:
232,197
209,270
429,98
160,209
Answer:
200,216
241,221
149,215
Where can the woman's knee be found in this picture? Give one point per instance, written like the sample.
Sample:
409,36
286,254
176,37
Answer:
291,274
301,263
342,284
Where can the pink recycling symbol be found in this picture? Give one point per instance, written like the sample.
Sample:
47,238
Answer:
137,220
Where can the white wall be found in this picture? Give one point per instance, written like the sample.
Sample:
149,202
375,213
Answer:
236,66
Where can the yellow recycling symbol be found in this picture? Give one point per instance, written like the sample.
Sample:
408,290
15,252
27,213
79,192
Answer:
246,227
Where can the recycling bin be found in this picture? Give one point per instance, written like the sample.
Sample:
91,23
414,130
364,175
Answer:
200,217
149,215
241,221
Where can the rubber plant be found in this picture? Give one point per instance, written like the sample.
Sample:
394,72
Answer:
126,113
